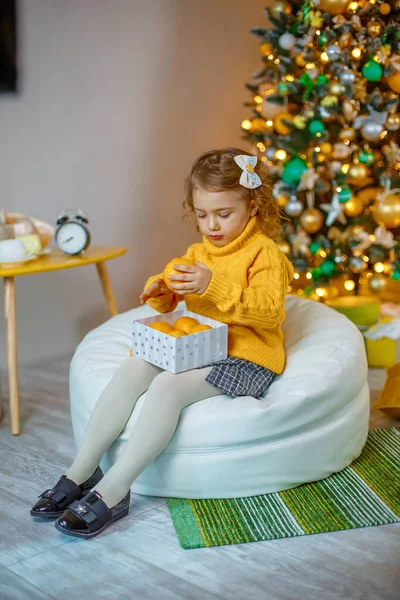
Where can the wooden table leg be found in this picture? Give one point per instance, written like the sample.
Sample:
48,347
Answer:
12,358
107,289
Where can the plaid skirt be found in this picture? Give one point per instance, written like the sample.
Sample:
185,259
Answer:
238,377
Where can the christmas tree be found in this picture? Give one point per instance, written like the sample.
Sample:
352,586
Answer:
325,120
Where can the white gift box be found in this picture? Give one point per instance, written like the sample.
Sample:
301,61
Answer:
183,353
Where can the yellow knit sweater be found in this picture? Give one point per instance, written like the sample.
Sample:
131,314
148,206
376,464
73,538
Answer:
250,278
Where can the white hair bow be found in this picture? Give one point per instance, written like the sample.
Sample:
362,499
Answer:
249,179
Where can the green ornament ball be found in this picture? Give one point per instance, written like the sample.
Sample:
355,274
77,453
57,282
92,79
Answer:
315,126
372,71
367,158
396,275
327,268
293,169
344,195
316,273
322,39
314,247
283,89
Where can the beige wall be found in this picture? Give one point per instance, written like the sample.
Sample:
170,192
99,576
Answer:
118,98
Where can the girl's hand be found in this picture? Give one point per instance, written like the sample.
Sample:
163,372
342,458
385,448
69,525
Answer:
192,280
155,289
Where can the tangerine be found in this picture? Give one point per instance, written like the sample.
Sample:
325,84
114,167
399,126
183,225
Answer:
169,269
162,326
186,323
200,328
177,333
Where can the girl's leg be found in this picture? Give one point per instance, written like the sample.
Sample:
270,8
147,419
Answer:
167,395
111,414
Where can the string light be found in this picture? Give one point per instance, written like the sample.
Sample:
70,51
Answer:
261,147
324,57
269,123
310,65
349,285
296,276
356,53
379,267
353,5
321,292
258,99
308,276
345,168
280,154
246,124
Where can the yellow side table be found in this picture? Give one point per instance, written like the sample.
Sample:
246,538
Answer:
54,261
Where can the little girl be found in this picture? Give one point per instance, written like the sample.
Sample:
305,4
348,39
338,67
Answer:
239,277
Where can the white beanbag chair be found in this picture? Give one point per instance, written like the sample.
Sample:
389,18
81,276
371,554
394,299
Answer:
313,420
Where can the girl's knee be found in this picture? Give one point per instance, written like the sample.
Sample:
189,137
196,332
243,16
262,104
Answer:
165,389
133,367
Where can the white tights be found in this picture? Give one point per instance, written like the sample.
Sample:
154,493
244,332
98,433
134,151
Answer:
167,394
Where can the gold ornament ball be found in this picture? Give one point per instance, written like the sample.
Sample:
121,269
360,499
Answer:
347,134
265,48
326,148
282,200
281,127
374,28
368,195
377,283
393,81
312,219
393,122
284,246
334,7
300,60
357,174
336,88
387,211
385,8
280,7
259,125
354,207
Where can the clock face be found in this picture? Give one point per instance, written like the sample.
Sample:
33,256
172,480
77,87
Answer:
72,238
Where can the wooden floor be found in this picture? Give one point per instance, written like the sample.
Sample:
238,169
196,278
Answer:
140,556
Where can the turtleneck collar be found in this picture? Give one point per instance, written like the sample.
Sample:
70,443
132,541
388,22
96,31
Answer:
250,232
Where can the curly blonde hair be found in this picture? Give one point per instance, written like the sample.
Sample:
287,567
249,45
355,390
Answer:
216,171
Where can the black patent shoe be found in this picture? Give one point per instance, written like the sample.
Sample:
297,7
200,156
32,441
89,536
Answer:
53,502
90,516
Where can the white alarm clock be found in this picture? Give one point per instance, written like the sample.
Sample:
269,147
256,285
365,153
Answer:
72,236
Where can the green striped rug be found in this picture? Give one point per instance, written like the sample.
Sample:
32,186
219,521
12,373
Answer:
365,494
